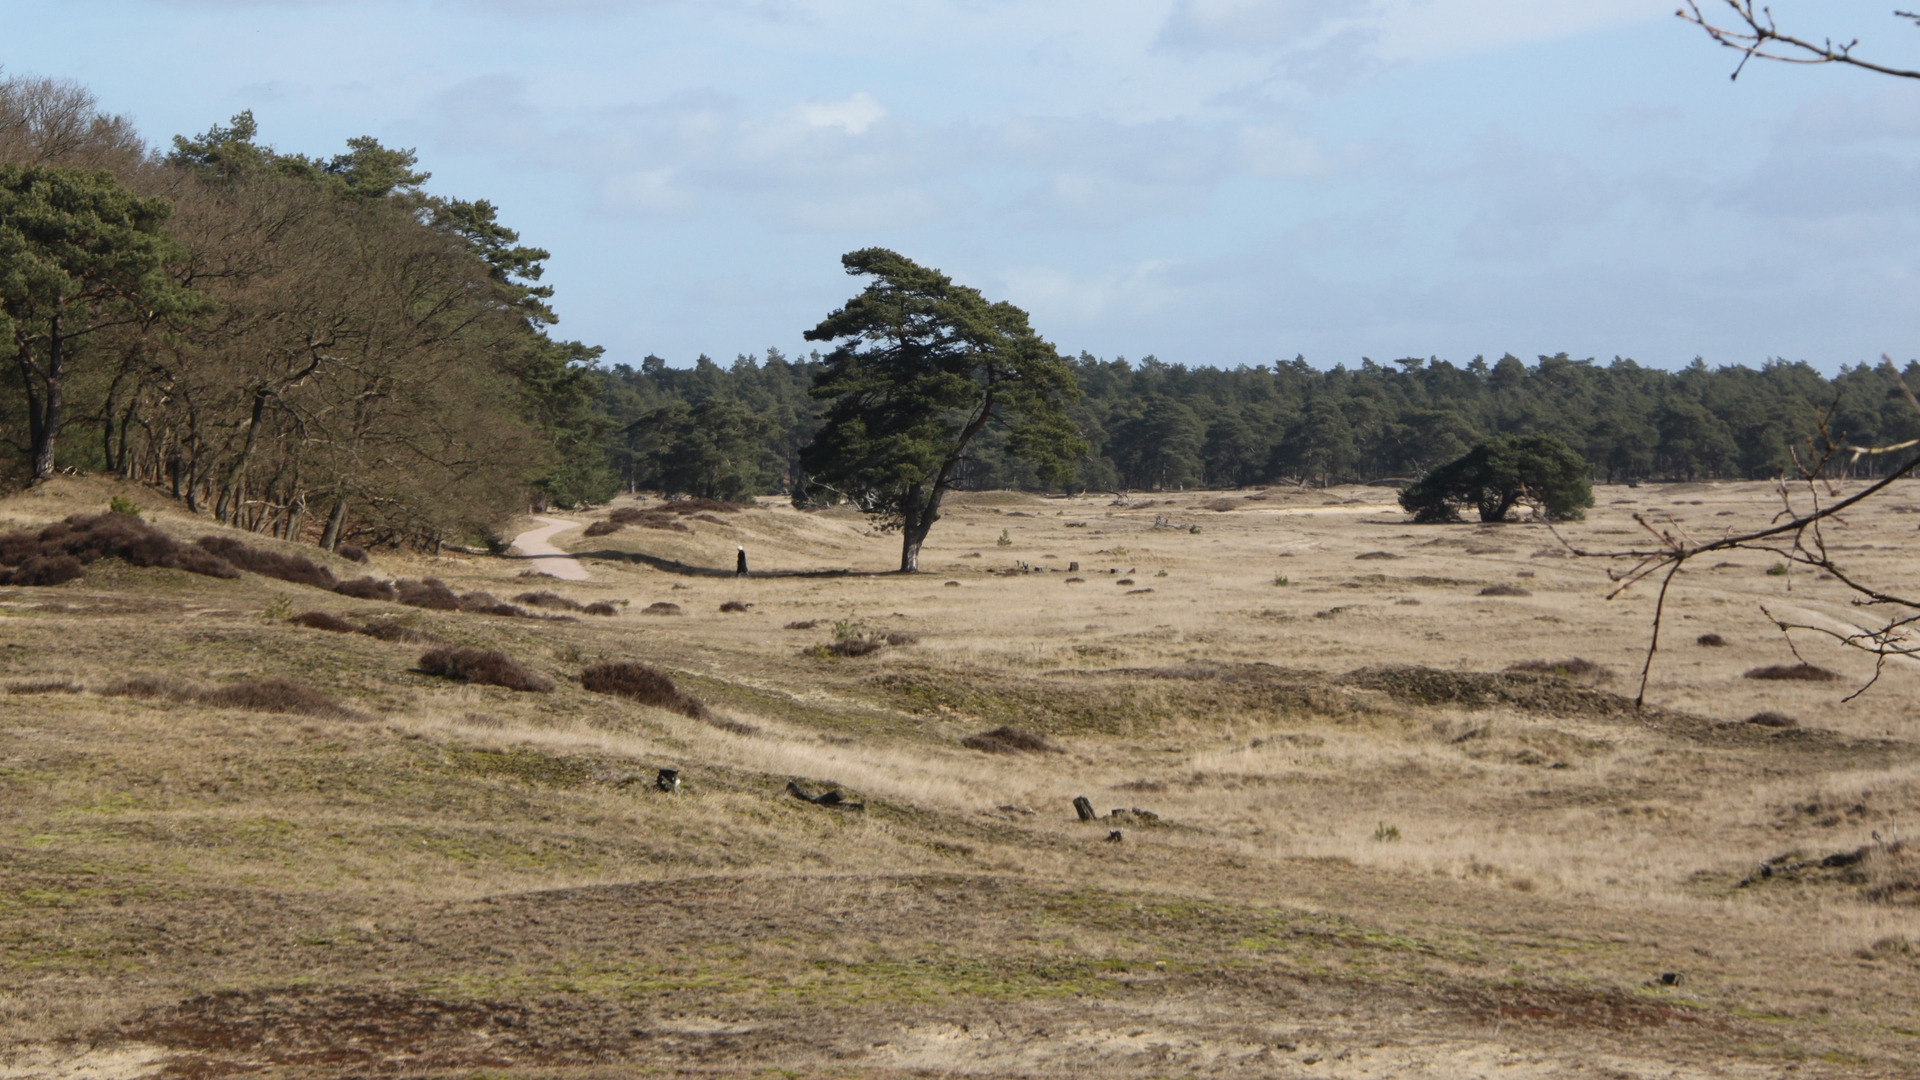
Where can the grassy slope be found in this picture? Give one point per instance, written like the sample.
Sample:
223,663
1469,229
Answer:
483,880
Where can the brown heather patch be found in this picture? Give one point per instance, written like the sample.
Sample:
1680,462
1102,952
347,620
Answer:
645,684
1792,673
601,607
603,528
488,667
59,552
548,599
1577,669
320,620
661,607
802,624
1504,590
291,568
45,686
1772,719
1711,641
736,606
1009,740
269,695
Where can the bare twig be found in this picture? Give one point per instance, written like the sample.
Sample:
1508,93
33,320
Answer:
1756,35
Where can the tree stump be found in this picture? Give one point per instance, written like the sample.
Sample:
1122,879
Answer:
1084,807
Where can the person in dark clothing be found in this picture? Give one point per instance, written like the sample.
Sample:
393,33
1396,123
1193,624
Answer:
740,564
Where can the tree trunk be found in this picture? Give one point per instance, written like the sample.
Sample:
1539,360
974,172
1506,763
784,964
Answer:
45,438
331,538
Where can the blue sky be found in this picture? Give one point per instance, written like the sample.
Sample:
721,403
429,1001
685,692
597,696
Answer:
1210,181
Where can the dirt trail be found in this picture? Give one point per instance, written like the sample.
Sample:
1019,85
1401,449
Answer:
535,544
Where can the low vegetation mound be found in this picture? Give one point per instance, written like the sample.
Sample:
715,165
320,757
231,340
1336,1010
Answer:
1009,740
1802,672
294,568
643,683
320,620
547,599
1772,719
45,686
853,646
1577,669
488,667
603,528
406,635
269,695
1504,590
661,607
1711,641
643,519
60,552
736,606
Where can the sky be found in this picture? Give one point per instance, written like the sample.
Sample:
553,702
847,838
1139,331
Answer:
1213,182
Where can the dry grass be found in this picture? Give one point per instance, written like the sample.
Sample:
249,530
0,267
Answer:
1395,865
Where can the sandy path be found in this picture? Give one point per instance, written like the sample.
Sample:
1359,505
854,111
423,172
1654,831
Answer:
534,544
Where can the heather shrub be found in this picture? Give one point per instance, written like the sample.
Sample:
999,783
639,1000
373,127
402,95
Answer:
276,695
1504,590
367,588
294,568
1772,719
854,646
603,528
735,605
902,637
601,607
82,539
1793,673
661,607
1712,641
643,683
430,593
320,620
45,686
546,599
1009,740
803,624
1576,668
485,666
406,635
352,553
44,570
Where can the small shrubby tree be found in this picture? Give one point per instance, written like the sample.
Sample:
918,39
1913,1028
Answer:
1499,473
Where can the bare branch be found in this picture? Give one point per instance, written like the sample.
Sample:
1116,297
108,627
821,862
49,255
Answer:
1756,35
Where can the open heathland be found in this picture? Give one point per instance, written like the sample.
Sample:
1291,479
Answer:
1354,817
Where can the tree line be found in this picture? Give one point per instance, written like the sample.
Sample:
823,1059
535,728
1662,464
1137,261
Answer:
299,345
727,431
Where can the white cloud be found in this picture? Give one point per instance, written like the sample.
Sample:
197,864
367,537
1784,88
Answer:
853,115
